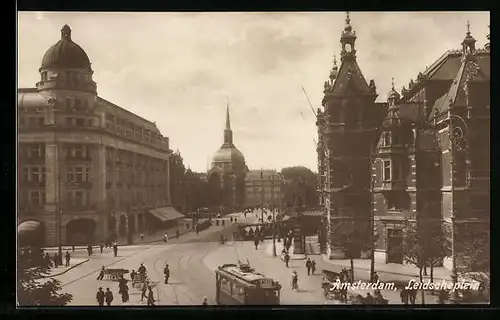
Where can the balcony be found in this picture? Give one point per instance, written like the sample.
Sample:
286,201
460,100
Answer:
79,159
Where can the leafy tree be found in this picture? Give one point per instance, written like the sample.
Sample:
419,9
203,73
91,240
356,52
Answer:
424,243
473,255
33,286
350,236
300,183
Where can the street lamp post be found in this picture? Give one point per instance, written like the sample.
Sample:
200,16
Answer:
262,195
271,179
455,137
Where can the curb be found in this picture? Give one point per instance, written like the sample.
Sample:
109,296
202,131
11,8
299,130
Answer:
381,271
72,267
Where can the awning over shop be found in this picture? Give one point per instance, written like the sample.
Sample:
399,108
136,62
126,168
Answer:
27,227
166,213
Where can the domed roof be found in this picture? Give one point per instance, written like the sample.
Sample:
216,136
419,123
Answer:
228,154
65,54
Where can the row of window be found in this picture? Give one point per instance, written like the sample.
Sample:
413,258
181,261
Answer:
128,129
74,198
34,174
388,139
32,150
135,159
33,121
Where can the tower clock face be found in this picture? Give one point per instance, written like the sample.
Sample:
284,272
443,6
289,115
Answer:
348,47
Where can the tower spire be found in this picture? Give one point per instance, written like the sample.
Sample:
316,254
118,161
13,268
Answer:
228,121
66,33
348,39
469,43
228,133
392,83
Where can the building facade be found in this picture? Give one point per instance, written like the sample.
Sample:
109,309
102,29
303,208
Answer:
347,127
264,188
430,160
226,176
88,170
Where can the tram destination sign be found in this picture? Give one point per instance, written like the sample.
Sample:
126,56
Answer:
265,282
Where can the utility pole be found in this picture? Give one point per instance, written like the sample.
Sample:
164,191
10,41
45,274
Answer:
262,195
271,179
372,226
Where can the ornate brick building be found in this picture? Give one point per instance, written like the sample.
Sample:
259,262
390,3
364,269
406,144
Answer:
347,132
88,169
421,169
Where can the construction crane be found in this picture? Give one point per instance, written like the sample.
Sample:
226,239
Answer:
309,101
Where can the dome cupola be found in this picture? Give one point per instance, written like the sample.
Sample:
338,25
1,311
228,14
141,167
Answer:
65,54
393,96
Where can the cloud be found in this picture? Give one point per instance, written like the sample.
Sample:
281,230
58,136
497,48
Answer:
178,69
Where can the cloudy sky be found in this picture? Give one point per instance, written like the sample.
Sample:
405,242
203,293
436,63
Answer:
178,69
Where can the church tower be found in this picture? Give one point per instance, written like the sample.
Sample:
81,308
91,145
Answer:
346,130
227,173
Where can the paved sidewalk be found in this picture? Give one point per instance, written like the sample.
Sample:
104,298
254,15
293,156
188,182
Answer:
279,249
56,271
410,271
360,275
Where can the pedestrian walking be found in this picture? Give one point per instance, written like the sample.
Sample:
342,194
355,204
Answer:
101,246
308,266
67,256
313,267
73,248
142,270
295,280
404,295
256,242
115,249
177,233
100,297
123,289
89,250
165,238
144,290
60,258
375,277
231,219
205,302
132,275
151,297
142,236
101,274
166,272
287,259
108,297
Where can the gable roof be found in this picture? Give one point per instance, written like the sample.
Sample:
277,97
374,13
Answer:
470,70
350,75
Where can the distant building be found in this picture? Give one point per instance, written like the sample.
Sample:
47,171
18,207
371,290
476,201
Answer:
226,176
263,187
88,169
404,155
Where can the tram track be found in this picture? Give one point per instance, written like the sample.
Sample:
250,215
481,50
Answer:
108,265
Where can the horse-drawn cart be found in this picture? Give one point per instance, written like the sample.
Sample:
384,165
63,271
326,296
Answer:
331,286
114,274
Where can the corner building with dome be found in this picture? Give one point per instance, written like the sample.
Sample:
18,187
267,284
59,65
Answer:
226,176
88,170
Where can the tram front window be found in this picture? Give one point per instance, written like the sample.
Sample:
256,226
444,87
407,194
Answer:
270,297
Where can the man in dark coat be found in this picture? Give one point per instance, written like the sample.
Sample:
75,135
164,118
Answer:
108,296
68,258
115,249
101,274
100,297
166,272
287,259
151,297
308,266
256,242
404,294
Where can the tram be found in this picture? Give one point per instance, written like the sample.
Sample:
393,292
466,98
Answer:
242,285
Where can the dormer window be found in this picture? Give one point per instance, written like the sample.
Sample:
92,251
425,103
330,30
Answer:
44,76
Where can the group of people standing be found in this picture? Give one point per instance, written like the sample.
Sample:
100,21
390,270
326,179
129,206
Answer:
57,259
114,245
